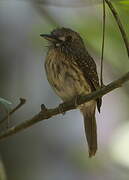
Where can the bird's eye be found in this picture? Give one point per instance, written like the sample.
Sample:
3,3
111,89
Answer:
69,38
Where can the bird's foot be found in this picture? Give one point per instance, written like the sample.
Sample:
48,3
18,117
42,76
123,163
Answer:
43,107
61,109
76,99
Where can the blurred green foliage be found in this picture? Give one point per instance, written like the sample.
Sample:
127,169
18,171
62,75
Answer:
126,2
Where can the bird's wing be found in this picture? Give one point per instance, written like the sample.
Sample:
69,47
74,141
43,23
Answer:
88,66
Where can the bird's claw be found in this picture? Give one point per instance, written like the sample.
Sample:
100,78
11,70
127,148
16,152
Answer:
76,100
43,107
61,109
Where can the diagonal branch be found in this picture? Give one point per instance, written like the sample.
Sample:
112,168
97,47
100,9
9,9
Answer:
48,113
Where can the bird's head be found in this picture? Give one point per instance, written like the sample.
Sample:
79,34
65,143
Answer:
64,37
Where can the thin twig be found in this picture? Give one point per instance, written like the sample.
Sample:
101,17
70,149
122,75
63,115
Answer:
48,113
123,33
101,70
22,102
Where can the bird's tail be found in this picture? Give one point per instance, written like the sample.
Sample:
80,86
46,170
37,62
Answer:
88,111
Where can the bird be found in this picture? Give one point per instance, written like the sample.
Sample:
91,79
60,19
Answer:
72,72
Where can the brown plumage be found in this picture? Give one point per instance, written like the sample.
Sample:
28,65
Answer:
71,71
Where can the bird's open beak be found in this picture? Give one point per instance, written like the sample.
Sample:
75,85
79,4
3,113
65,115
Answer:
50,37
